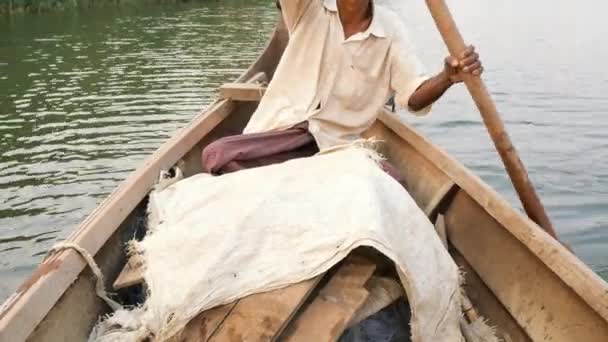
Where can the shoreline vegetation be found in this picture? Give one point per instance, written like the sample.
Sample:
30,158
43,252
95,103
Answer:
10,7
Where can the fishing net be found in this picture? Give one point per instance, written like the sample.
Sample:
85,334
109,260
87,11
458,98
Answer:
217,239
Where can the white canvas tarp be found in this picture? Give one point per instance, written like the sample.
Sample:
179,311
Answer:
217,239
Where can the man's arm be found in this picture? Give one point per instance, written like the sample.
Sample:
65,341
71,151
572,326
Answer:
432,89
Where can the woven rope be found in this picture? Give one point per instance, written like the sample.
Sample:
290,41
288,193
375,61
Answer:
99,285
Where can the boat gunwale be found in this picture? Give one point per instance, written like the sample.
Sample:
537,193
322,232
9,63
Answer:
588,285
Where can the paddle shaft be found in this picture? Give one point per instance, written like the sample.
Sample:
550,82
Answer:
496,128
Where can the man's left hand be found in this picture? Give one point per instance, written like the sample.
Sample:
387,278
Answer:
468,62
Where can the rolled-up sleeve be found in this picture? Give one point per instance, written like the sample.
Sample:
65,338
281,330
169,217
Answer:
293,10
407,72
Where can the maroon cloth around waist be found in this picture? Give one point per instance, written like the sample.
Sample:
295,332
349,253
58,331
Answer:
244,151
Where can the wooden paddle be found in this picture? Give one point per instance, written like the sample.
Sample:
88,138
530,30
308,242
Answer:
515,168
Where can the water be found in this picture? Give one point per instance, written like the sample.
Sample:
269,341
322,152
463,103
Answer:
85,97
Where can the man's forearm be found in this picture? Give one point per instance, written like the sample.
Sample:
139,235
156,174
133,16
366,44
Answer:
430,91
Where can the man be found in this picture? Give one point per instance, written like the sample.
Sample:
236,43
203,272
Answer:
345,58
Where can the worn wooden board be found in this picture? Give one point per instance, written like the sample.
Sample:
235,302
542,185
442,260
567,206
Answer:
487,305
443,194
336,304
383,291
129,276
263,316
242,91
202,327
541,303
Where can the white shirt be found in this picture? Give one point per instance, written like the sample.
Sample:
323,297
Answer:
337,85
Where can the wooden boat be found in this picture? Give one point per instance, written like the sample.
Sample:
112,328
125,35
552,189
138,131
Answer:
524,282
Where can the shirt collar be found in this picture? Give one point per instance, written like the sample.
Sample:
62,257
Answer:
375,27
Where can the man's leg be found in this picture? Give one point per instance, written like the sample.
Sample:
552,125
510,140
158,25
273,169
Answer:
244,151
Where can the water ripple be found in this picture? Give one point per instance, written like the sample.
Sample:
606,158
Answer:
86,103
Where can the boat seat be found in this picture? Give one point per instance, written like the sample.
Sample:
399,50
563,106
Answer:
246,92
251,91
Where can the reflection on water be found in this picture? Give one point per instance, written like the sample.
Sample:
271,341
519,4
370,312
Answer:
86,97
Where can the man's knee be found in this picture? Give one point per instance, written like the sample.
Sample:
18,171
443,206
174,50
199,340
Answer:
212,155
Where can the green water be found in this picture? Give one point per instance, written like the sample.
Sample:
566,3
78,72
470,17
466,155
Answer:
85,96
17,7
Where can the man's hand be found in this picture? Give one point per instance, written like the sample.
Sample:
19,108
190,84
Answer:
432,89
468,62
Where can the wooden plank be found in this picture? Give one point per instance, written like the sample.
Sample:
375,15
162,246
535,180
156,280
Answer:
383,291
242,91
263,316
543,305
326,318
260,77
439,198
569,270
488,306
129,276
203,326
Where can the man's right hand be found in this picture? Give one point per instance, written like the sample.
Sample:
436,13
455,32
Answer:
467,63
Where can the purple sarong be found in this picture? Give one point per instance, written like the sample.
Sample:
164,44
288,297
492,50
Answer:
238,152
244,151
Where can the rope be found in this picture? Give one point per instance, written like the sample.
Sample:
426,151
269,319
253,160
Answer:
99,285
